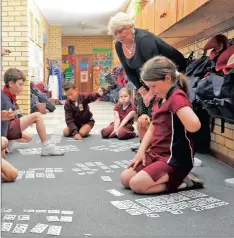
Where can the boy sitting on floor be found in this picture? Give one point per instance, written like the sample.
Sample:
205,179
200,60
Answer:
78,117
15,129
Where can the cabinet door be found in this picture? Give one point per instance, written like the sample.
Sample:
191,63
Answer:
165,15
148,17
185,7
138,20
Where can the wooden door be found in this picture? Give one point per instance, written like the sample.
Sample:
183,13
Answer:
84,73
185,7
148,17
165,15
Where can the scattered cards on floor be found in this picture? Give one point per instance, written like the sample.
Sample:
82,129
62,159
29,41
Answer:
115,192
174,203
39,228
54,230
20,228
6,226
106,178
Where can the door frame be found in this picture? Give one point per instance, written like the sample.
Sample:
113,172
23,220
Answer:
90,69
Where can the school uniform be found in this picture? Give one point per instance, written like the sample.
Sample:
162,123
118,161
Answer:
10,128
171,150
78,113
125,132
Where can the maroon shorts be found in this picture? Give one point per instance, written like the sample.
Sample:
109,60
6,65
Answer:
14,131
157,169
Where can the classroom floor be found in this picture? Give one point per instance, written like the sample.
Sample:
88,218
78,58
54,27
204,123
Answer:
69,196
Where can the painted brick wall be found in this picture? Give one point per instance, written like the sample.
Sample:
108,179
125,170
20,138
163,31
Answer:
55,42
85,44
15,38
222,142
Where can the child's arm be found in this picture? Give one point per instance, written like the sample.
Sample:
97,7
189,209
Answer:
116,124
181,106
92,97
70,121
140,156
146,139
189,119
117,121
130,115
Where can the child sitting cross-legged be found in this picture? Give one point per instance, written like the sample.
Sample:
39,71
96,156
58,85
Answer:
124,113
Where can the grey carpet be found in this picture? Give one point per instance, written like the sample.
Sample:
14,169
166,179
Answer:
86,195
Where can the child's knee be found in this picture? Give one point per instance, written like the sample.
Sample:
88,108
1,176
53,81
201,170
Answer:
66,132
122,134
84,133
104,133
11,175
36,115
125,178
4,143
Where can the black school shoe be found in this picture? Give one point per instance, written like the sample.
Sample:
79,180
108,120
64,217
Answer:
135,149
197,183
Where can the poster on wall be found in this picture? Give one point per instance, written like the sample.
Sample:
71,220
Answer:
102,59
84,76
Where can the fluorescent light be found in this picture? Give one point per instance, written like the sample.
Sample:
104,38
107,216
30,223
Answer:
79,6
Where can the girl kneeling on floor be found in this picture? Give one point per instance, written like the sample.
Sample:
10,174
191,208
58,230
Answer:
165,156
124,113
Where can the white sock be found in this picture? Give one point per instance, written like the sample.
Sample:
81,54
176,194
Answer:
182,186
188,182
46,143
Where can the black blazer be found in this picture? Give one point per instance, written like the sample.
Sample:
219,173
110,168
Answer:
147,46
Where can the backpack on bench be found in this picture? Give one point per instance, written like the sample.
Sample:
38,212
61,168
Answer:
216,94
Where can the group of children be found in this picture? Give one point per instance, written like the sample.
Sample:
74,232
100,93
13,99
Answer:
79,118
165,156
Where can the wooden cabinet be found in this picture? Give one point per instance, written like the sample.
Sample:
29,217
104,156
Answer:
138,20
165,15
148,19
185,7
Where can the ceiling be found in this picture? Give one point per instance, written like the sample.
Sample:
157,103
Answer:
81,17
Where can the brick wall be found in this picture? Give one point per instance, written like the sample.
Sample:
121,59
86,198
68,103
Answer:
55,42
15,38
220,142
85,44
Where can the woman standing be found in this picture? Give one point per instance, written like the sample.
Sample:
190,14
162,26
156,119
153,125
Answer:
134,47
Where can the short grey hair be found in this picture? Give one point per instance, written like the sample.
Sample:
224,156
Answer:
118,22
